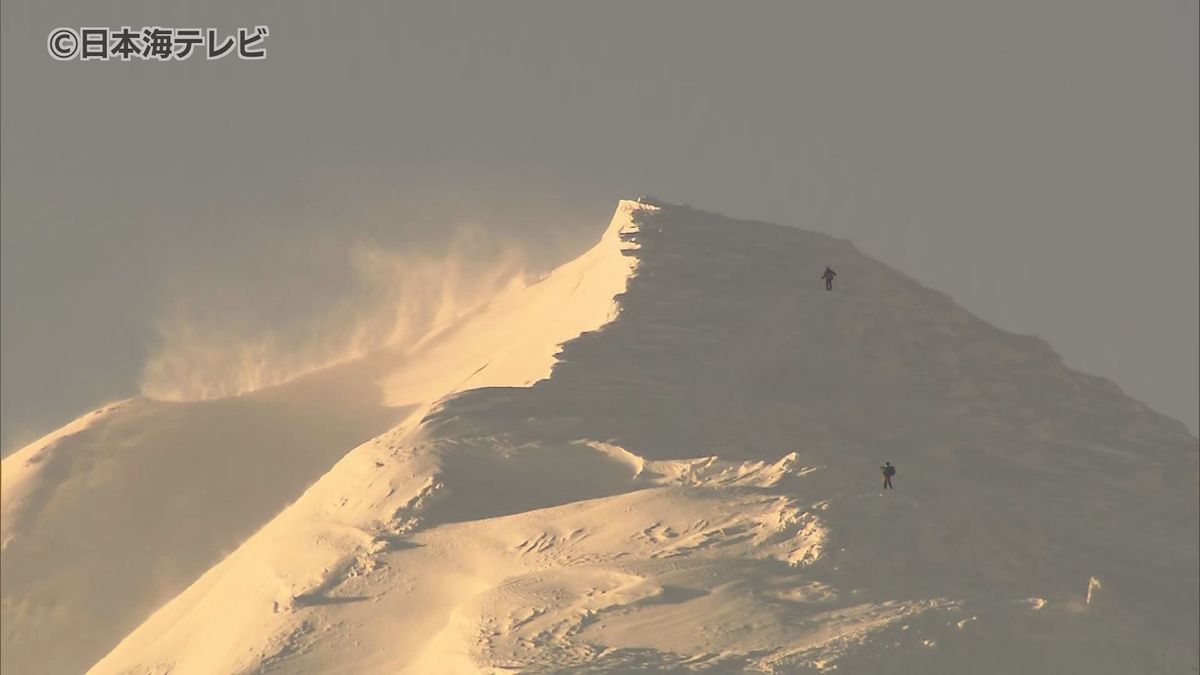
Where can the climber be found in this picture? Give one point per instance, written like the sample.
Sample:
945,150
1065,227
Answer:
828,276
888,471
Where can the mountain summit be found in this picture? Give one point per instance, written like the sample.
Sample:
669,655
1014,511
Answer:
663,456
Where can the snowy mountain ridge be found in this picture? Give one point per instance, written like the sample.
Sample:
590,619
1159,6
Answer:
687,484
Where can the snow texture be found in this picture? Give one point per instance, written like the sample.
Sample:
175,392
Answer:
662,457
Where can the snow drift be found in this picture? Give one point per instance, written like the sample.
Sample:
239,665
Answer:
663,456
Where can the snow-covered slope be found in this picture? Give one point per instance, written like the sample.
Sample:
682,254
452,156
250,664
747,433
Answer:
116,513
694,487
111,516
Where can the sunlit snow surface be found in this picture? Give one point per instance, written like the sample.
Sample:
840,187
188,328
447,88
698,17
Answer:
690,484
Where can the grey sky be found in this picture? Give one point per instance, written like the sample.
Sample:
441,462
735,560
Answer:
1037,161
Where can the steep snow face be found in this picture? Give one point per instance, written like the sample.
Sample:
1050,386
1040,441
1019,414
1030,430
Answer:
692,484
514,339
111,516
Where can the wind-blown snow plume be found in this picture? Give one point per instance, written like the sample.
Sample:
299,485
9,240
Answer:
394,297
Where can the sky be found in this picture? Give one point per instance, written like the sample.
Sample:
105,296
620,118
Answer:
1036,161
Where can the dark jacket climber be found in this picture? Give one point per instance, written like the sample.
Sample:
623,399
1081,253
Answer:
828,276
888,471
